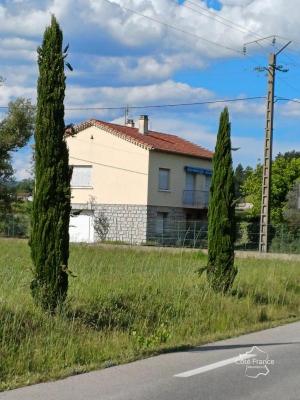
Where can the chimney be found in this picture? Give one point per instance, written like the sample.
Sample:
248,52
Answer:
130,123
143,124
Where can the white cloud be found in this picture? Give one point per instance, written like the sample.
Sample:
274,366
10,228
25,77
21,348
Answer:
238,3
22,75
262,16
141,54
166,91
290,109
151,52
31,21
18,43
134,69
160,93
22,164
245,107
8,93
16,48
188,130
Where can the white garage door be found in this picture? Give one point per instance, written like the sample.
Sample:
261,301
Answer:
81,228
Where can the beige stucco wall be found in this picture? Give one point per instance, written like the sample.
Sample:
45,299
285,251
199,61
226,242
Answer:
119,168
176,164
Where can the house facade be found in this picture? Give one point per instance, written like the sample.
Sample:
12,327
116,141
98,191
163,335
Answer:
140,183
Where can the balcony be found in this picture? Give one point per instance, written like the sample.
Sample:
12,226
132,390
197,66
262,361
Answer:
195,198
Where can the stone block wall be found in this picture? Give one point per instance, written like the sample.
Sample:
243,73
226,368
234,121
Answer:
136,224
126,223
175,223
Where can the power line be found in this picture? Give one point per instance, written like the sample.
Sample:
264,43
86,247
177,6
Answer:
295,63
284,38
109,166
240,27
287,99
175,28
233,25
199,103
190,33
217,18
260,69
288,84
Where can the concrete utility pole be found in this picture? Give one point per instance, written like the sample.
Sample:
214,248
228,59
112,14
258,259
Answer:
267,164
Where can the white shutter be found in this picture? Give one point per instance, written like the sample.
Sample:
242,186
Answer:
81,176
190,181
207,182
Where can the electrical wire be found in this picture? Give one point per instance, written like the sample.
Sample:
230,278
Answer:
278,98
233,25
240,52
287,84
217,18
199,103
109,166
166,24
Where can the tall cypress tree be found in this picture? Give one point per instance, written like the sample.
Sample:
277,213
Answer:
221,213
49,240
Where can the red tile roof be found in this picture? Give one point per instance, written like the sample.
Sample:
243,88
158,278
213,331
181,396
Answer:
152,140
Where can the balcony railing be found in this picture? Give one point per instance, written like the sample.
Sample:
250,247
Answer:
195,198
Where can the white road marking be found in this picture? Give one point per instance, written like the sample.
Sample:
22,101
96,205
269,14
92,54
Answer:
210,367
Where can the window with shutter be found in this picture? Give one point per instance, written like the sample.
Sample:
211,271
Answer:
164,179
81,176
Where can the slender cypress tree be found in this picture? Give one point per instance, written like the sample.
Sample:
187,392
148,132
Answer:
221,213
49,240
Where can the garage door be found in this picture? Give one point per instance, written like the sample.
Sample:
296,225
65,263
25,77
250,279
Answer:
81,228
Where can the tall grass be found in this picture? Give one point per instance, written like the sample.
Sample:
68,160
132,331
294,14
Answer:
125,304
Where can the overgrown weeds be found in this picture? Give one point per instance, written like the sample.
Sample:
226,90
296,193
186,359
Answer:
125,304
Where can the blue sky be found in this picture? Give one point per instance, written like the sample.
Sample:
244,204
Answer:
121,58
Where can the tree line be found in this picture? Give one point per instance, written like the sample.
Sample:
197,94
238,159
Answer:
284,186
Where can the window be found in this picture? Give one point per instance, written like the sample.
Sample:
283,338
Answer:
190,181
161,221
207,182
164,179
81,176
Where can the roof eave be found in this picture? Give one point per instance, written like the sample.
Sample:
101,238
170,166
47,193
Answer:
97,124
183,154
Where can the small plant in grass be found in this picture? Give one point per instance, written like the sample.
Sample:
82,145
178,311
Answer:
160,335
101,226
221,213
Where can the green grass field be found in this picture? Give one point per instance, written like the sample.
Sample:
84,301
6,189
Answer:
126,304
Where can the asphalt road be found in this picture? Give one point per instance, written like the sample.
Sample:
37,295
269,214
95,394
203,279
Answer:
271,370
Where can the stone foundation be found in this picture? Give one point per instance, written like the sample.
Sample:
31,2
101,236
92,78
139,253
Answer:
175,222
126,223
137,224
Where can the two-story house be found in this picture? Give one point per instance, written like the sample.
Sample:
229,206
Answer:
141,181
